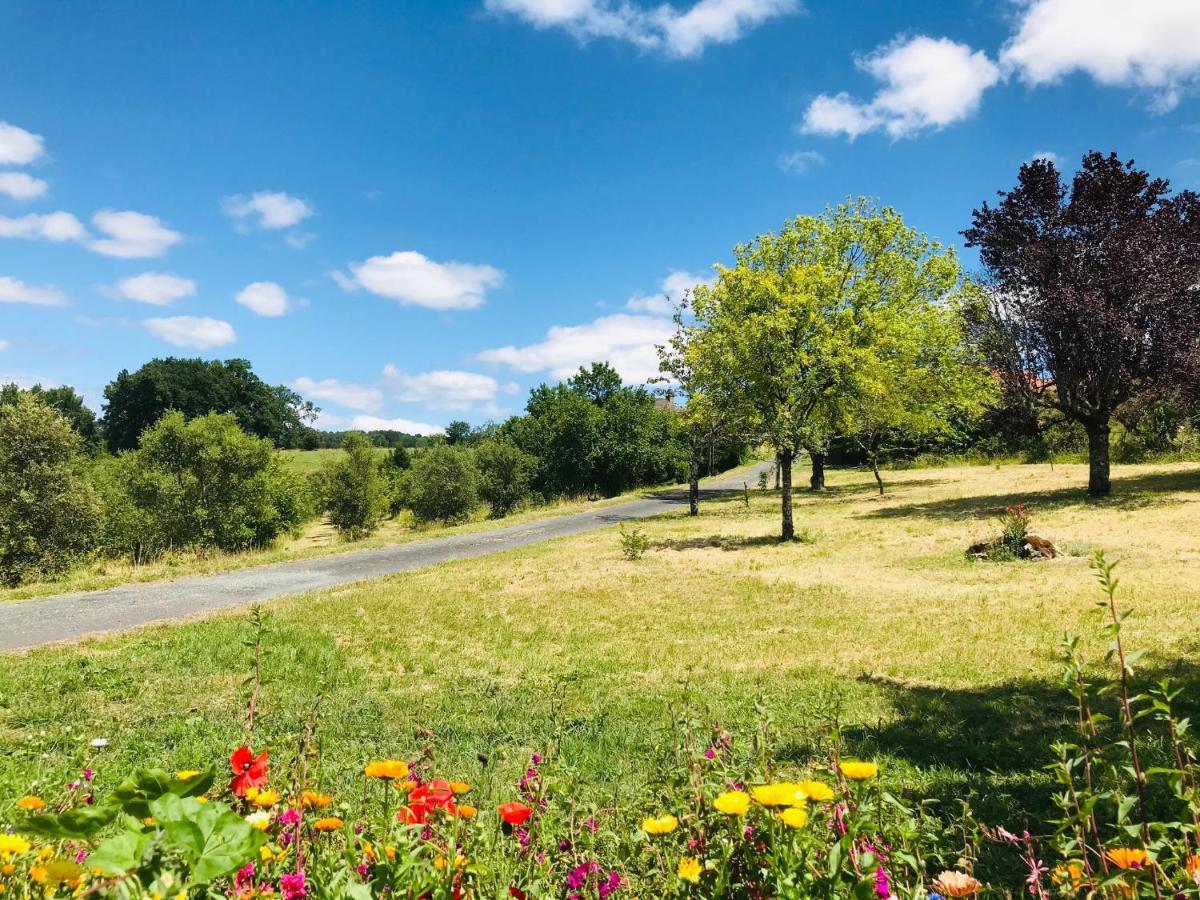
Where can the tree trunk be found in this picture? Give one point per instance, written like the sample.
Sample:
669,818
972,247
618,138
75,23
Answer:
875,469
1099,484
776,471
694,488
785,468
817,481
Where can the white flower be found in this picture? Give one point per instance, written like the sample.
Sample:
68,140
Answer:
99,742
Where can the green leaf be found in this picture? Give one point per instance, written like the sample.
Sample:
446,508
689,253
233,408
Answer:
80,822
213,839
120,854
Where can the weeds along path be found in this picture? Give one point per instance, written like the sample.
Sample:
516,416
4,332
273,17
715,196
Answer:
31,623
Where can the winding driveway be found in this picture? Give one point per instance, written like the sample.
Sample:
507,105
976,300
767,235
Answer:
31,623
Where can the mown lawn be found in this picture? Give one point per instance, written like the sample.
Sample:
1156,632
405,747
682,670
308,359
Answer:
944,668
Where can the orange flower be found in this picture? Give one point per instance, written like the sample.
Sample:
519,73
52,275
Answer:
386,769
459,787
329,823
1193,867
515,813
956,884
1127,857
315,800
30,803
467,811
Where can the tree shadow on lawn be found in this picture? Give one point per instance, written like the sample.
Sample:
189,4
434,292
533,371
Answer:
718,542
1129,492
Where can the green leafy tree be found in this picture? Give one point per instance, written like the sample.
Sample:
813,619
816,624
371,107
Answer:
792,331
599,382
205,483
443,485
354,490
560,429
67,403
196,387
48,513
458,432
401,458
505,475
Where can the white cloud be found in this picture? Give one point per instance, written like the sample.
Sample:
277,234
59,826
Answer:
444,388
926,83
343,393
132,235
19,147
265,298
4,345
800,161
414,279
670,291
155,288
375,423
300,239
14,291
198,332
627,342
55,226
680,34
1153,45
22,186
1049,155
268,210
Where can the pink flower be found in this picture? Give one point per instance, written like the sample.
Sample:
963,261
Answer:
292,886
290,817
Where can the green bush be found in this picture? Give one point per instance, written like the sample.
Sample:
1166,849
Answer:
354,491
505,475
203,483
634,543
443,485
48,513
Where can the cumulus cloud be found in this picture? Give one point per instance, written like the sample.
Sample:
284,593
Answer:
265,298
267,210
197,332
626,341
1048,155
375,423
19,147
132,235
414,279
55,226
343,393
21,186
444,388
670,291
800,161
155,288
679,33
1152,45
926,83
14,291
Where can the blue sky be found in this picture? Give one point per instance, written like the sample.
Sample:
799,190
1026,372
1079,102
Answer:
414,211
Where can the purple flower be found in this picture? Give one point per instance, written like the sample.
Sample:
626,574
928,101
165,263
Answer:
88,774
290,817
883,885
536,759
292,886
80,857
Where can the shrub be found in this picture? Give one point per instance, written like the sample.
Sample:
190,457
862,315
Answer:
48,513
203,483
443,485
1014,527
505,473
401,458
634,543
353,489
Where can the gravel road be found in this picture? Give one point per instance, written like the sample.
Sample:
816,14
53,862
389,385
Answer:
31,623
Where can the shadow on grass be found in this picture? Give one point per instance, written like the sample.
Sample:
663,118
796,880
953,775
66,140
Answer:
718,542
1129,492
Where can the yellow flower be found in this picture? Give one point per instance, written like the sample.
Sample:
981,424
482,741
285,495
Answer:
816,791
149,820
11,844
315,799
459,787
267,854
858,771
660,824
201,800
38,874
689,869
387,769
956,884
260,820
794,817
187,774
7,869
264,799
783,793
732,803
390,851
329,823
467,811
31,803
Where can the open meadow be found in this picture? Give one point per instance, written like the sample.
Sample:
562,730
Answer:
944,669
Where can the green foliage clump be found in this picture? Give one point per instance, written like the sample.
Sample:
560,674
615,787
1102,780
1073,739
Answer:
634,543
67,403
443,485
204,484
505,474
48,513
354,491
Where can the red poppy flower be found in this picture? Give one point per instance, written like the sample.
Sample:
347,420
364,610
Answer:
248,772
517,892
425,799
515,813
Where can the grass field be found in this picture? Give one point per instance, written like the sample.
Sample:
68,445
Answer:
945,668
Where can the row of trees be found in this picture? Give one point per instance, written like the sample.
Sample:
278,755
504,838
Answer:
851,327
